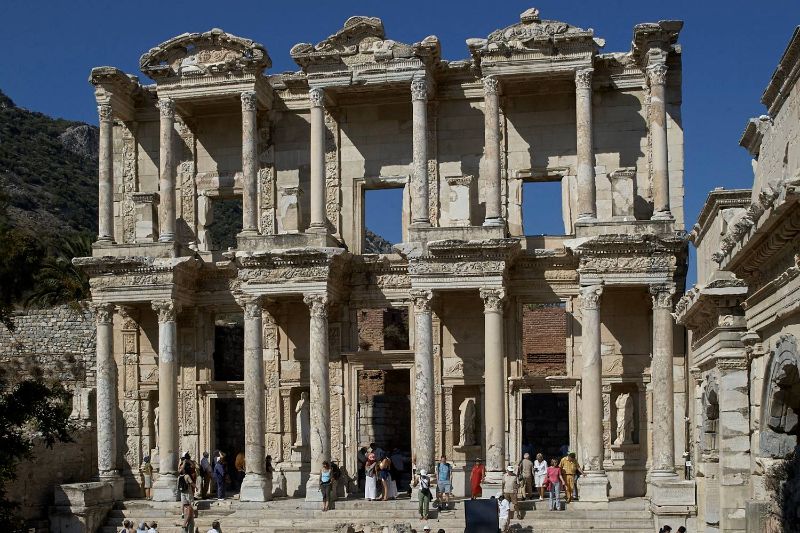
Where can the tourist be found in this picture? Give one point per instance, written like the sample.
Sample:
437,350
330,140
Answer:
205,475
188,479
554,483
569,469
444,484
424,496
187,513
142,527
503,511
147,472
127,527
370,478
153,528
526,470
440,530
476,477
240,465
325,483
665,529
385,476
681,529
362,462
219,476
510,487
215,528
377,450
539,474
268,468
426,528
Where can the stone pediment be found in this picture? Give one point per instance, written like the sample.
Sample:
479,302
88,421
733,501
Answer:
204,54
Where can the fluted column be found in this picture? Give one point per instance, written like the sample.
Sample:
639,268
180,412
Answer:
491,117
105,160
249,163
494,378
661,374
657,75
318,217
319,385
106,393
419,178
255,487
587,206
165,487
166,182
594,485
423,379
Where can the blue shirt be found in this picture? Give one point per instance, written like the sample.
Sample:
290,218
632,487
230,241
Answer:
443,469
325,476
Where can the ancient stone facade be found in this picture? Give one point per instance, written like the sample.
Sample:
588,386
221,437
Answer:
535,101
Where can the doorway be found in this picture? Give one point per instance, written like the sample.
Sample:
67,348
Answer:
229,433
545,424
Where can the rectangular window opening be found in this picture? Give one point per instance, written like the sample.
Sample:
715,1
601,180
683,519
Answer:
395,329
542,207
383,220
229,347
226,223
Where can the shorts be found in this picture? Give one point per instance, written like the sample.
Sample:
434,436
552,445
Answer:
148,481
503,523
539,479
444,487
187,497
385,475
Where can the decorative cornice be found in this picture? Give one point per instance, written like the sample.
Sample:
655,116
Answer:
583,78
493,299
249,101
785,75
590,297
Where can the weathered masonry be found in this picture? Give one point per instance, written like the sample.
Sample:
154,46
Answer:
283,319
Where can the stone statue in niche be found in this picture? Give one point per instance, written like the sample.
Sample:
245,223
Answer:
624,405
302,421
467,423
155,423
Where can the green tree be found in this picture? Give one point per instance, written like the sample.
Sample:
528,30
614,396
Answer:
58,280
31,411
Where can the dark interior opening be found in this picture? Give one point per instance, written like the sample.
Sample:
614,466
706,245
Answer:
395,329
226,216
229,348
229,432
545,424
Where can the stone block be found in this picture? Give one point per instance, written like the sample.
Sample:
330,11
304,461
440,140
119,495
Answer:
593,488
145,205
81,507
672,491
460,200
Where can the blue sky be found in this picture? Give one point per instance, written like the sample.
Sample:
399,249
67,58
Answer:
730,49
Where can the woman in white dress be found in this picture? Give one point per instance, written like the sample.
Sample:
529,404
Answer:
371,471
539,474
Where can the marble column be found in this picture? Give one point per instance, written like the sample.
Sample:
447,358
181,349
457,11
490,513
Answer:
587,207
661,373
594,482
494,378
105,160
316,96
107,466
419,179
249,163
166,181
491,117
657,75
165,487
255,487
319,385
424,447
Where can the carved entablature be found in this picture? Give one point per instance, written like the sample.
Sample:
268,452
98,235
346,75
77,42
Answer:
754,134
369,273
469,262
138,278
626,259
114,88
360,53
548,265
533,44
714,306
296,270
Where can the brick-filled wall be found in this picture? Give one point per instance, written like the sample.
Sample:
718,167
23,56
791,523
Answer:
370,329
544,339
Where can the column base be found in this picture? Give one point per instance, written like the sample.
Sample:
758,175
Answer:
494,222
662,215
313,492
492,484
117,484
669,491
317,229
593,487
252,232
421,224
255,488
586,218
165,488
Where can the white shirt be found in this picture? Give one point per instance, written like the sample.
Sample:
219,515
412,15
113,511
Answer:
540,467
503,507
212,530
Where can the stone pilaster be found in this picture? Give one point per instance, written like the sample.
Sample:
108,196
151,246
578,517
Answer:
494,378
165,487
423,379
105,160
319,386
255,487
734,441
316,97
107,464
419,178
167,170
657,76
491,114
594,482
587,206
249,163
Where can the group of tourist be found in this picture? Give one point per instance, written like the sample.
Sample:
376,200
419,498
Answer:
127,527
382,472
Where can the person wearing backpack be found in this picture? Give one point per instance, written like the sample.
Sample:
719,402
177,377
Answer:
422,481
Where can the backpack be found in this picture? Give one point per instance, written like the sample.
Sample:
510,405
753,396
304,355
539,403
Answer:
336,473
183,486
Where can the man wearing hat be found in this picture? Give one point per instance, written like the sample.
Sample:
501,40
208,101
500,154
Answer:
510,487
503,511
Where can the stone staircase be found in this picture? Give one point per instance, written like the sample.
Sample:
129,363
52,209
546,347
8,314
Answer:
297,516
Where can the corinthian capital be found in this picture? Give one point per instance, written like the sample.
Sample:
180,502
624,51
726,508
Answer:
590,297
657,74
166,309
490,84
493,299
103,312
252,305
421,298
104,112
419,89
316,96
583,78
249,101
166,107
317,305
662,295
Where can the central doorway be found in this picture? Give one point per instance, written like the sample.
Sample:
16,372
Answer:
229,433
545,424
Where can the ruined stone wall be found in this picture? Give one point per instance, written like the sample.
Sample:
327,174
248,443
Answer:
544,330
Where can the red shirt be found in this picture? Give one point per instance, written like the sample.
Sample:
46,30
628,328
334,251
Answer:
554,474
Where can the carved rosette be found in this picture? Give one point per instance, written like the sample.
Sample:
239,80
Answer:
493,300
249,101
105,113
662,296
583,78
166,108
590,297
129,183
316,96
166,309
103,313
657,74
419,89
490,85
317,305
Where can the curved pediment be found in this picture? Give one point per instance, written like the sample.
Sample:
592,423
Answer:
201,54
